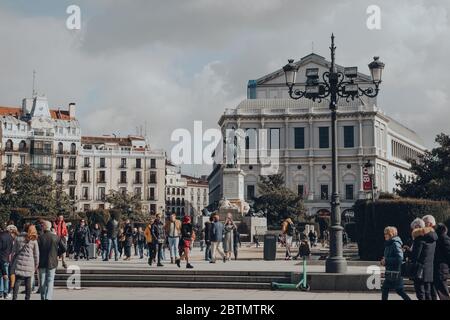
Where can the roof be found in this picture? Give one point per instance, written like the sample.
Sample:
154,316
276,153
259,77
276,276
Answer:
122,141
195,180
17,112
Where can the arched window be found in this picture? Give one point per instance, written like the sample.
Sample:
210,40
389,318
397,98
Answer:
22,146
173,201
178,211
9,145
182,202
73,148
60,148
182,211
178,201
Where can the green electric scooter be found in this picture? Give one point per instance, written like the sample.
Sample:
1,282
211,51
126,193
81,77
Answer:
302,285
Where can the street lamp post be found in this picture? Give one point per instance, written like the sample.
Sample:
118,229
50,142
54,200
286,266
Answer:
335,85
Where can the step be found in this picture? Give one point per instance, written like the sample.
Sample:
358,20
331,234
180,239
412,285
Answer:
175,278
171,284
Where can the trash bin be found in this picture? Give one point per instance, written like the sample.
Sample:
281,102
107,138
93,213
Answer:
270,247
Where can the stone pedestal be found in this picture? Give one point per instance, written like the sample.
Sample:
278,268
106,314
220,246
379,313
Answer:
233,187
255,225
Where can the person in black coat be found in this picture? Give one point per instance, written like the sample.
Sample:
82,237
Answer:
422,254
81,240
207,231
128,232
441,262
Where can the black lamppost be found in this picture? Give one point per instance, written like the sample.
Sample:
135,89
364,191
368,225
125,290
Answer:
335,85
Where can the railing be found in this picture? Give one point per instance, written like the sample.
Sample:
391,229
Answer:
100,180
137,181
85,180
71,167
59,166
122,181
40,166
152,181
86,165
41,151
72,182
123,166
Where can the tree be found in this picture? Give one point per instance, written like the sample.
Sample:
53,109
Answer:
278,200
29,189
128,203
431,171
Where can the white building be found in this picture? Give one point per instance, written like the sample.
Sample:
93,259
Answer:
87,168
185,195
300,130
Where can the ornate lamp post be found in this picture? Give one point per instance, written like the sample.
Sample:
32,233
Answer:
334,85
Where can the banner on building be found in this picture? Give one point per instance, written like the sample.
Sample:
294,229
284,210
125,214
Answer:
367,180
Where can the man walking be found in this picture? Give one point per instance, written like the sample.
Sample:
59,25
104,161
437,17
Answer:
6,245
112,230
216,239
173,231
82,239
61,231
49,244
159,238
207,234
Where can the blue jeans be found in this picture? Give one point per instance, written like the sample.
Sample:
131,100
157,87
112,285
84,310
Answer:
208,250
4,281
140,247
47,279
112,242
173,245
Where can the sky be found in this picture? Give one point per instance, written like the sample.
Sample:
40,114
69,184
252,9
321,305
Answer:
165,64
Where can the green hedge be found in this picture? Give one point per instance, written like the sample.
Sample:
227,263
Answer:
391,212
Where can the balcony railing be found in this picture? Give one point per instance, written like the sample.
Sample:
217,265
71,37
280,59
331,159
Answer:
101,180
59,166
123,166
42,151
85,180
72,167
86,165
137,181
122,181
72,182
41,166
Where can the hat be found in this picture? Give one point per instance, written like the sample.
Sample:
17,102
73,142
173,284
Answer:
11,228
186,219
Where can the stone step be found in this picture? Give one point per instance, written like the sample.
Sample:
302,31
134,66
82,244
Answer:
171,284
175,278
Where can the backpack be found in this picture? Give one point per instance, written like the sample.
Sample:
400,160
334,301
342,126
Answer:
290,229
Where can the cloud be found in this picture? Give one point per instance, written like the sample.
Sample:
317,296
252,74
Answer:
168,63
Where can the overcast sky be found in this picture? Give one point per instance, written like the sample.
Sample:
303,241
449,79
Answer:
169,62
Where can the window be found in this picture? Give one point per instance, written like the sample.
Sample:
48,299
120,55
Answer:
301,190
85,193
138,192
85,176
250,192
101,176
73,148
123,190
182,192
324,192
72,177
173,190
9,145
152,177
138,163
86,163
72,163
178,191
72,193
274,138
86,207
22,159
152,208
349,137
59,163
59,177
152,163
23,146
137,177
349,194
250,139
102,163
101,194
123,163
60,148
299,138
123,177
151,193
9,160
324,137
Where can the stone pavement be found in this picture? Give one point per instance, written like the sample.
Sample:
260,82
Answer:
204,294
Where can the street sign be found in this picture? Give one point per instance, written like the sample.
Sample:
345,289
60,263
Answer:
367,180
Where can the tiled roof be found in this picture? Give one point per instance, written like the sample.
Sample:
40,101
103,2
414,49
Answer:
106,139
16,112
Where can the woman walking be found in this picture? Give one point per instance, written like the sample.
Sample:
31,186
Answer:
392,260
128,232
228,238
25,260
187,235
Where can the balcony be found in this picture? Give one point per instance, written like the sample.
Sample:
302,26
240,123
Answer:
86,181
152,198
152,180
42,151
72,167
123,166
85,198
86,165
59,166
122,181
59,181
41,166
72,182
137,181
101,180
101,198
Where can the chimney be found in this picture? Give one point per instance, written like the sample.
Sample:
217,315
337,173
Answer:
72,110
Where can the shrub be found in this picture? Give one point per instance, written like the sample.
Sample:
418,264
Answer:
371,219
98,216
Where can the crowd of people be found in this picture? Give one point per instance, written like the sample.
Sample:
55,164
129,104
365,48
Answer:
27,252
425,259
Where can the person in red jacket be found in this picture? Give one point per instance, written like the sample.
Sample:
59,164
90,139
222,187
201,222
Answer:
61,231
